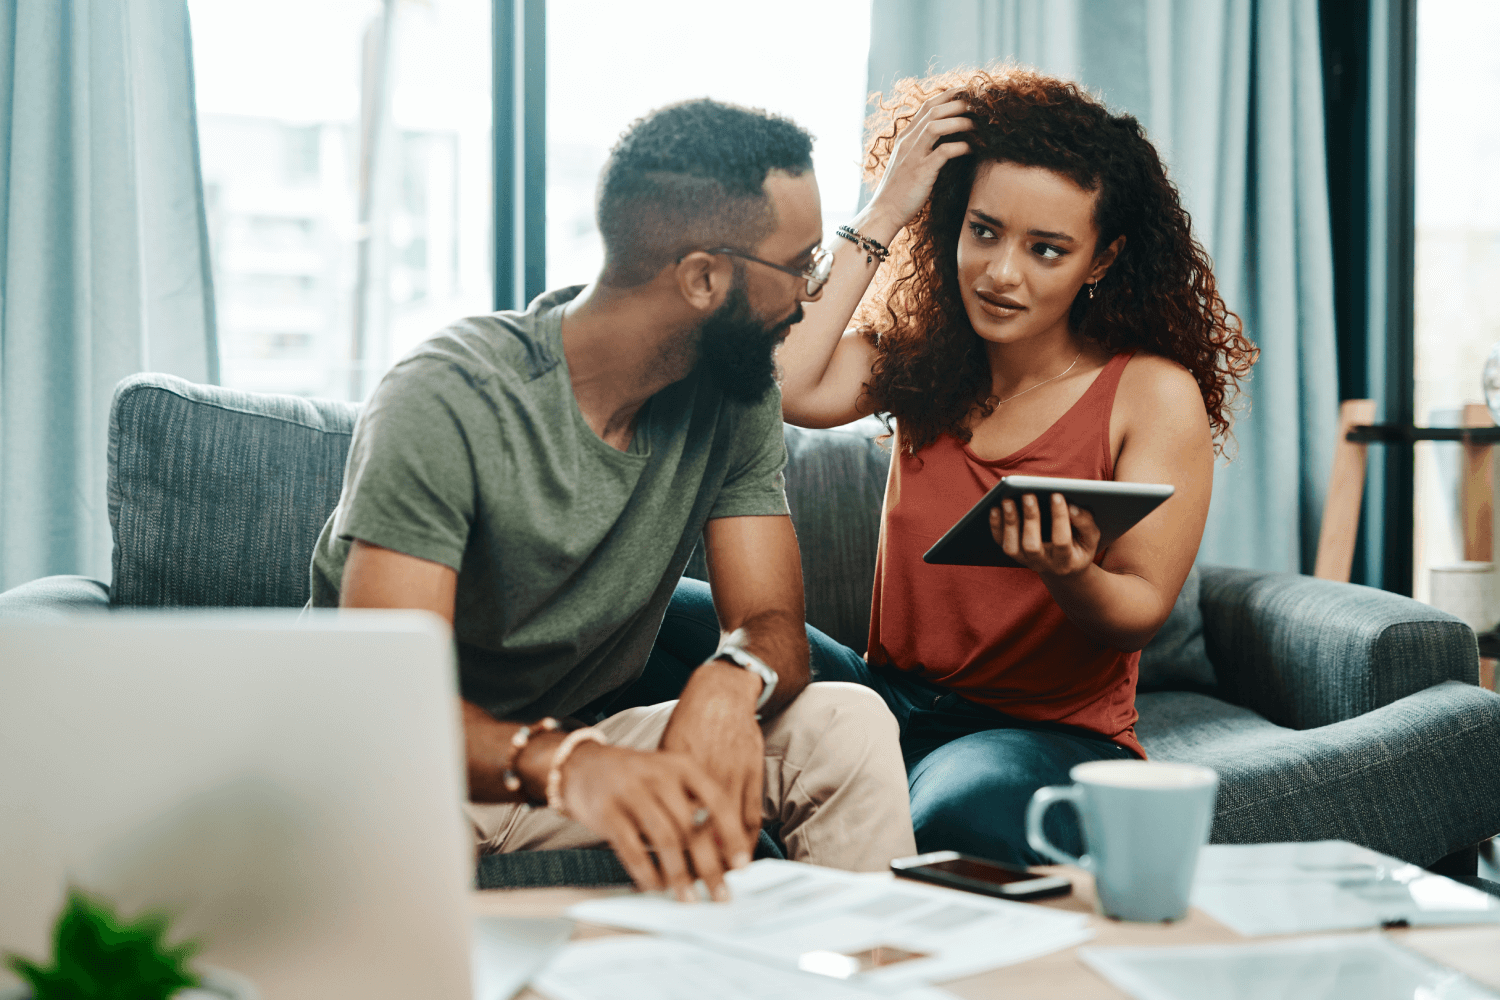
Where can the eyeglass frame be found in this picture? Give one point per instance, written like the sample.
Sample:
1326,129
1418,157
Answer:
822,260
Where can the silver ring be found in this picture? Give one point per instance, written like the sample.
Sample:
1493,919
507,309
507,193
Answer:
700,816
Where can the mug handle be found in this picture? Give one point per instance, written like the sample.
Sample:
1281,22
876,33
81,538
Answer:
1042,800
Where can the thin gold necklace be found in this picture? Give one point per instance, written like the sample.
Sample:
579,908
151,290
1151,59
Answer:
1043,381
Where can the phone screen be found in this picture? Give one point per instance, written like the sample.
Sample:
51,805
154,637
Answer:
981,872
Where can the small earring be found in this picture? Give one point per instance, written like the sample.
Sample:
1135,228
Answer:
1091,290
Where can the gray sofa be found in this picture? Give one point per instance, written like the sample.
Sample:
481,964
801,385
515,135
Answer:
1329,710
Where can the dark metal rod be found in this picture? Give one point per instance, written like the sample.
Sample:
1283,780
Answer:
1404,434
533,141
503,133
1400,240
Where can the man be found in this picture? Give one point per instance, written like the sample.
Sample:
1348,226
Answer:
539,479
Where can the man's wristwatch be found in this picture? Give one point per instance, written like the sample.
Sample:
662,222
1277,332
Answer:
733,650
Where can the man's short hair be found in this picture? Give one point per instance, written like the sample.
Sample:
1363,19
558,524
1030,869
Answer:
691,176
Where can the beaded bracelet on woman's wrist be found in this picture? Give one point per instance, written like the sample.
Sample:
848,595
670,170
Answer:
873,248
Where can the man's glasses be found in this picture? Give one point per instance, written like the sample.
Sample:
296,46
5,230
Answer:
816,274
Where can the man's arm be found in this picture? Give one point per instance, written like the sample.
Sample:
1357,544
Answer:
632,799
755,570
382,578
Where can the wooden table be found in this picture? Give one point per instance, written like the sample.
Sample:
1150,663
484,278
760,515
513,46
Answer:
1474,951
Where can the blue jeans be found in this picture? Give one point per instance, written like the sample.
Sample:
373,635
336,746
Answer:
971,770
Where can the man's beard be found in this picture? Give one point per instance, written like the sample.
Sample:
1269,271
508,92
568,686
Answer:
737,349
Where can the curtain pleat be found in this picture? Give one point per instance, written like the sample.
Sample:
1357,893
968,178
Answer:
104,266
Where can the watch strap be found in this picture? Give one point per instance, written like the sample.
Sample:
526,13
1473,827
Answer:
732,649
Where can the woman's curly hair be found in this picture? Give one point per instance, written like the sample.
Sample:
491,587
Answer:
931,369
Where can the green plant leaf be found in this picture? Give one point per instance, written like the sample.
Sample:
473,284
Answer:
98,956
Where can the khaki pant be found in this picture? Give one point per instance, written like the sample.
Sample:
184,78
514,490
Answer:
834,780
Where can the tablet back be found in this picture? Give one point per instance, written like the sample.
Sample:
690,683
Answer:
1117,507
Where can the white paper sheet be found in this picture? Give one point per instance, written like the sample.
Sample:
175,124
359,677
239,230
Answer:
508,950
1327,885
653,968
840,924
1359,967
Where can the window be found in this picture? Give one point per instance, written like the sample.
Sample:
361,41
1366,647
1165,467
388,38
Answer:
282,86
608,64
1457,251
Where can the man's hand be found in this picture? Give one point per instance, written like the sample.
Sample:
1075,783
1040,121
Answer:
644,801
714,724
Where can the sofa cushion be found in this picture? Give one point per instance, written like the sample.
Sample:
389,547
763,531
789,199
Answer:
1415,779
216,497
1176,659
54,597
835,487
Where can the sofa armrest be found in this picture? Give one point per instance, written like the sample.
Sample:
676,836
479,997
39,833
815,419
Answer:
1305,652
54,597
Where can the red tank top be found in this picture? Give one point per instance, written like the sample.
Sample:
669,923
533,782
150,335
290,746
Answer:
995,635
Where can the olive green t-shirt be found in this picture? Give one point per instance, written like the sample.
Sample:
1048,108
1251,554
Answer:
472,453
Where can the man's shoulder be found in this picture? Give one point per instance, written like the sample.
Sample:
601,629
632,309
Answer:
493,353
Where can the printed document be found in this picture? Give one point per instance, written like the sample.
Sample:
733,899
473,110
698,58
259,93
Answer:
872,930
507,950
1328,885
1359,967
653,968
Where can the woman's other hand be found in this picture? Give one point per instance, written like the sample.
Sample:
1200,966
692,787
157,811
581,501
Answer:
918,156
1074,542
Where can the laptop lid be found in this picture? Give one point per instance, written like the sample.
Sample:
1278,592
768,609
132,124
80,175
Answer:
289,788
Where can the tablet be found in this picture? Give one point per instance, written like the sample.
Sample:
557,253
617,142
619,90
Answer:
1116,508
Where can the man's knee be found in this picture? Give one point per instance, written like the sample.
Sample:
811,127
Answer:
841,705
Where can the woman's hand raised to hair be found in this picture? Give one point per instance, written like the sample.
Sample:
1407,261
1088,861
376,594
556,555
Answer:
918,156
1070,550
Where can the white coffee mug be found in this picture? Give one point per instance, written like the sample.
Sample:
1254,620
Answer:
1143,823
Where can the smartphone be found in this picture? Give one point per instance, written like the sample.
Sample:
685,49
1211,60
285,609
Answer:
964,871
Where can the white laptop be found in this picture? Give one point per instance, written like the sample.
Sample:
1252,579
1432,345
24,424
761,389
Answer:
289,788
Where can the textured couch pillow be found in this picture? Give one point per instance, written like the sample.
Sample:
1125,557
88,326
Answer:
216,497
1176,659
835,485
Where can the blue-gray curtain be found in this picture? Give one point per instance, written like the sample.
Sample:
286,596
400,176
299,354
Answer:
1231,93
104,266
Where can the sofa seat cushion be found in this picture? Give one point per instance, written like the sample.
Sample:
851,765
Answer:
1414,779
583,867
216,497
54,597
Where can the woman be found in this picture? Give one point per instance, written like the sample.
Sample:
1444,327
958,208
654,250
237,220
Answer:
1045,311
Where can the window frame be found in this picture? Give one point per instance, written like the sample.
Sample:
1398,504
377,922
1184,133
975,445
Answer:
519,70
1370,139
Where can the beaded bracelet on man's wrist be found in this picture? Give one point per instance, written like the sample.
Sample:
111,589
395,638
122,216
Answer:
511,778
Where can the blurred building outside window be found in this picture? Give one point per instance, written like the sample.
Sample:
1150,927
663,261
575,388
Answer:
608,64
281,88
1457,252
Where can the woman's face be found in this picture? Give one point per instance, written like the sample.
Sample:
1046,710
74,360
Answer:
1026,248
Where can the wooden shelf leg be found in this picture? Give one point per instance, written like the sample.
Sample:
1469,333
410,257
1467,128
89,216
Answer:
1346,493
